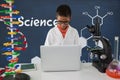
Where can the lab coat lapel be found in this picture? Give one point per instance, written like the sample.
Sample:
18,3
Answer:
68,32
59,34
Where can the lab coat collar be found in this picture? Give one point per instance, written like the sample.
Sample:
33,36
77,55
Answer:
67,33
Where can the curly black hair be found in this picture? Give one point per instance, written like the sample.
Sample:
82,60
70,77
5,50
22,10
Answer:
63,10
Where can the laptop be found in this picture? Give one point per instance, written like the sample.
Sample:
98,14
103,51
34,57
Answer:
60,58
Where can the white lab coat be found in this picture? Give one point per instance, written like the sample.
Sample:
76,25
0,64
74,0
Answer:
54,37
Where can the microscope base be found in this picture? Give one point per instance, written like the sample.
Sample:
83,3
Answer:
100,66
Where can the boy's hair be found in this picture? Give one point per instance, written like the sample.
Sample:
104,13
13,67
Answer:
18,76
63,10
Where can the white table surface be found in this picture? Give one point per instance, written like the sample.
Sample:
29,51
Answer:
87,72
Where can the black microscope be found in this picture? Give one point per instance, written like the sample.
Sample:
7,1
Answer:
101,57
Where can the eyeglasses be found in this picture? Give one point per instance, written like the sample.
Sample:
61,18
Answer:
63,22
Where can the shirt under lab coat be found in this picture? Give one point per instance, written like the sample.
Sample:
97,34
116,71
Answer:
54,37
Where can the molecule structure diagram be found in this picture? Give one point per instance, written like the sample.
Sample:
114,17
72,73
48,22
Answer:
83,39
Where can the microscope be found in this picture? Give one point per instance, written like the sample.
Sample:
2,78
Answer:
101,56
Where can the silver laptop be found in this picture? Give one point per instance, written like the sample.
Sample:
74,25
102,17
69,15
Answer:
60,58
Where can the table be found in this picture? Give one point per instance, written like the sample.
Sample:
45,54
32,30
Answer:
87,72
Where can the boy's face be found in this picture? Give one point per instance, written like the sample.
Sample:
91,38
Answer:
63,21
